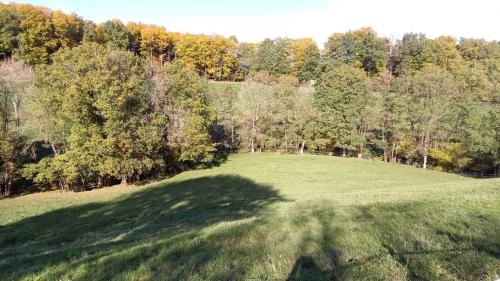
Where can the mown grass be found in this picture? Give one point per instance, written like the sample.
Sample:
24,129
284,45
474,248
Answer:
220,86
261,217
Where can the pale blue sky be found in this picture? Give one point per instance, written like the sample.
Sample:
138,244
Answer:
257,19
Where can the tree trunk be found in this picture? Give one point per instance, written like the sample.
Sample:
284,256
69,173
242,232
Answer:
286,140
302,147
5,188
61,184
390,59
253,134
343,152
393,159
7,178
82,179
53,148
426,144
15,103
124,180
8,188
360,154
232,136
81,172
384,140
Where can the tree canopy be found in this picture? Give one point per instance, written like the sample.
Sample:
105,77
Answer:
89,104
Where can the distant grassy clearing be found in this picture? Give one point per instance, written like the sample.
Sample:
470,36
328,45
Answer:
220,86
262,217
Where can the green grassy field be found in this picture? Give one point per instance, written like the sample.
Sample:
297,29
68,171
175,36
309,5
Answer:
261,217
220,86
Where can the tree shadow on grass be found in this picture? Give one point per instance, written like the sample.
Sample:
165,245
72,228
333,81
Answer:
158,226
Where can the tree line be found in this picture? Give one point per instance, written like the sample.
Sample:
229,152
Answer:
34,33
88,105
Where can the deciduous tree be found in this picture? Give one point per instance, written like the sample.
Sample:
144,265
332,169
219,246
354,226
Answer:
98,100
339,98
181,97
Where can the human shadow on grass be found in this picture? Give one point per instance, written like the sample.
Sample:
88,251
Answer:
323,263
306,268
466,246
410,241
144,223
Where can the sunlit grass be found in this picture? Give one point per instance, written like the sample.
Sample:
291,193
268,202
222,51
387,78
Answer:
220,86
261,217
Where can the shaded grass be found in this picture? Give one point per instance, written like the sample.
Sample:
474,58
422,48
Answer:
261,217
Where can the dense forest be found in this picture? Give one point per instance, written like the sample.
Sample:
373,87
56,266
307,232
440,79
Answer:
87,105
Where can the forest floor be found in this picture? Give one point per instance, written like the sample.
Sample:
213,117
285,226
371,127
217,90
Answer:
261,217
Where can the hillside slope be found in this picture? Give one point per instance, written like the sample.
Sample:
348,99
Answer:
261,217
